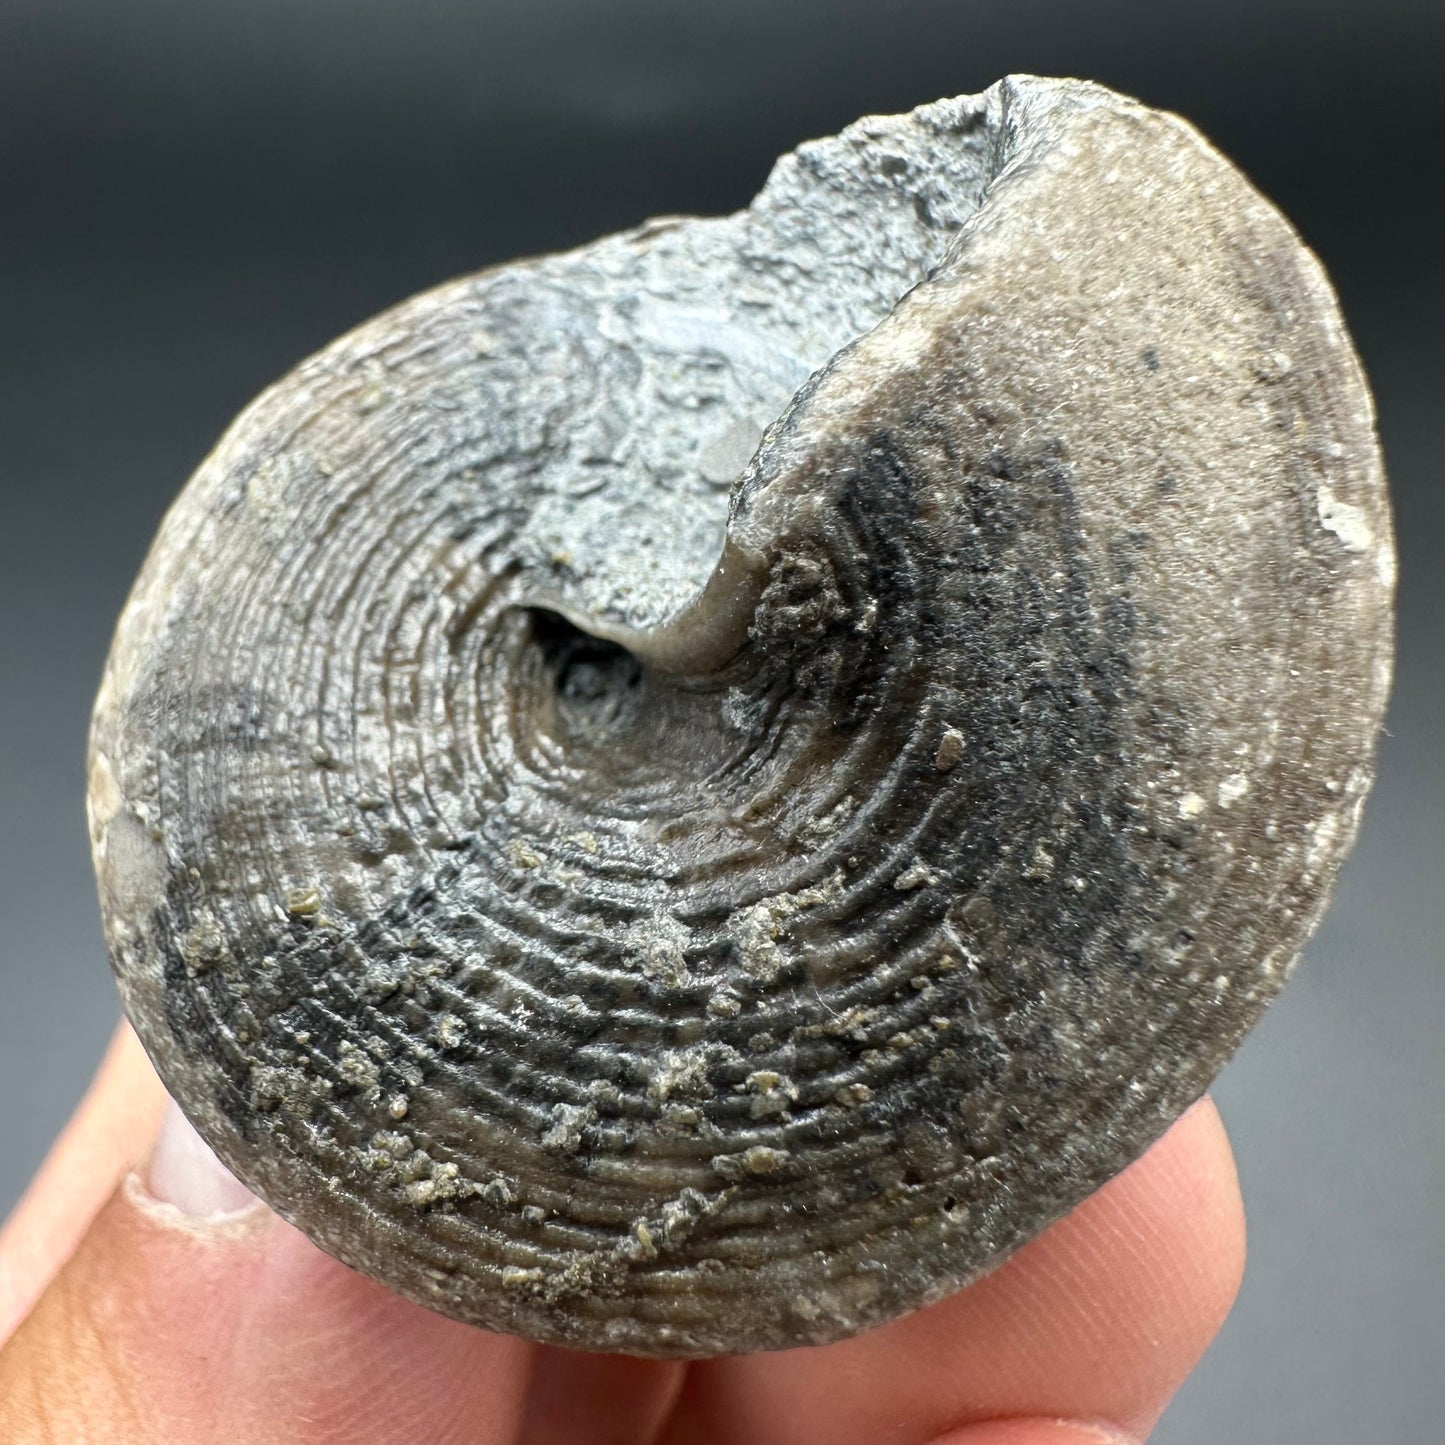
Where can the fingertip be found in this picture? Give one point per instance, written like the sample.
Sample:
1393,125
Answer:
1034,1432
1099,1319
108,1135
181,1318
1191,1193
1103,1316
576,1397
1170,1234
185,1173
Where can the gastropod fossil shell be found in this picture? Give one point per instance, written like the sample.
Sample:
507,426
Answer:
691,795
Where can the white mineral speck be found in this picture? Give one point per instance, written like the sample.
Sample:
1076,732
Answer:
1345,520
1232,789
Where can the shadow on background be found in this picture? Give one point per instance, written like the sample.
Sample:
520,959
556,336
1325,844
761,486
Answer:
192,197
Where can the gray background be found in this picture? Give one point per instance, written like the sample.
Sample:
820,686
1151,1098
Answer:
194,195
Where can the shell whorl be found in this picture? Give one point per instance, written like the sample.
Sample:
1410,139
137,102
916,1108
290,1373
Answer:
598,940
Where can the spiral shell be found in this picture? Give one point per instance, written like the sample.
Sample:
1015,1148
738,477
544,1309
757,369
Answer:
689,796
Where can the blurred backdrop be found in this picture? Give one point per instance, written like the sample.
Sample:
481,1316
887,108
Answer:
195,195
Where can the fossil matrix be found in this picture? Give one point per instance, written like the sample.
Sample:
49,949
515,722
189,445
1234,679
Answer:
689,796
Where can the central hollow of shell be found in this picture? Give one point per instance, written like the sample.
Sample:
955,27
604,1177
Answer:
620,728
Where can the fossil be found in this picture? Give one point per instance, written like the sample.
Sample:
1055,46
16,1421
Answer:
689,796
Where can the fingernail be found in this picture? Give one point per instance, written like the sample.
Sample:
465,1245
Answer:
184,1172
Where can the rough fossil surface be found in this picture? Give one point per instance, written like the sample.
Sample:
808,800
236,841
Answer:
689,796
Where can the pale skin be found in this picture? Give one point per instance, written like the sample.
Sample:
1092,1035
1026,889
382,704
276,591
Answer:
128,1322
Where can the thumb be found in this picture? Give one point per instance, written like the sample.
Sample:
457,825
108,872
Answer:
188,1313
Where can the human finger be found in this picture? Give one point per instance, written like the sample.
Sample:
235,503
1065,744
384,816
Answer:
111,1129
588,1399
189,1314
1097,1321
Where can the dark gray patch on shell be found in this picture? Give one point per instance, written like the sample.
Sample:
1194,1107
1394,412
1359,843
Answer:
597,940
